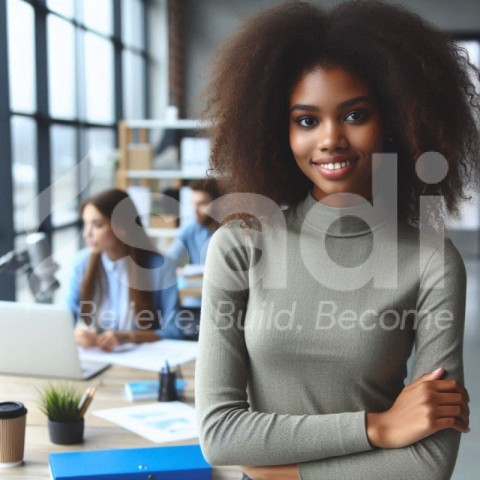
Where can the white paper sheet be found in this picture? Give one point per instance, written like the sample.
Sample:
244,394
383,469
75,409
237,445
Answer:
147,356
159,422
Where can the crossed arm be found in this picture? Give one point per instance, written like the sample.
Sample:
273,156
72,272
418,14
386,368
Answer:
425,407
418,437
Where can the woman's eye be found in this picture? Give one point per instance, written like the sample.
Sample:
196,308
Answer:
356,116
306,121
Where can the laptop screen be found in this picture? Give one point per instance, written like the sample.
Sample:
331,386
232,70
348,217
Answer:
38,340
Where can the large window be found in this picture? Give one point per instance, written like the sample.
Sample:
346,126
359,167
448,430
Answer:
469,219
75,68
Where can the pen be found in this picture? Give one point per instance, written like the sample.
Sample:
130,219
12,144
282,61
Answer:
85,401
166,368
82,400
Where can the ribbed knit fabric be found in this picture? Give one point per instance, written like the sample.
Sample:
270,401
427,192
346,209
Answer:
308,325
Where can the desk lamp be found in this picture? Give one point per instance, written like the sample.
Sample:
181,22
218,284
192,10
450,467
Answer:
36,262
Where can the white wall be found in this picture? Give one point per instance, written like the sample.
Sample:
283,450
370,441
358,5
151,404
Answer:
210,21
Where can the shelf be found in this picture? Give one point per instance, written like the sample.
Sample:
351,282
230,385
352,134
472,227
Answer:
127,133
181,124
161,174
162,232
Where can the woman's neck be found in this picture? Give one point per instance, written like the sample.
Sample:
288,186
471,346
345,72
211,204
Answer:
117,252
341,200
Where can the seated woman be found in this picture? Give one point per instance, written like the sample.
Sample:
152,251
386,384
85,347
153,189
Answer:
121,290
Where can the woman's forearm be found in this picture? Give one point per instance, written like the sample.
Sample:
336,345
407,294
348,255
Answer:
137,336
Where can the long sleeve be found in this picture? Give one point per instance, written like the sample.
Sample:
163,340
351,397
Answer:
190,244
230,433
165,298
177,250
438,343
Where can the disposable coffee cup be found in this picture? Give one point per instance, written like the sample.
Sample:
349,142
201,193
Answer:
13,417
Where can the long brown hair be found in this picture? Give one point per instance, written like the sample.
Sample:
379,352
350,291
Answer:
137,244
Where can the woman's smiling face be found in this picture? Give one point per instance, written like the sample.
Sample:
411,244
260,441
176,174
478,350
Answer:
335,127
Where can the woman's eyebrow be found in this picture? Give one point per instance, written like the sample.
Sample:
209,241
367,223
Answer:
308,108
353,101
346,103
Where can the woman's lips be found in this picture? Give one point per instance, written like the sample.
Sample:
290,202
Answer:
336,168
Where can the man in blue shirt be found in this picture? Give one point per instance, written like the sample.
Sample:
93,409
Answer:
192,241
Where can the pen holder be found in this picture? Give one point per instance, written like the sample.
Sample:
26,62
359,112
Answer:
66,433
167,391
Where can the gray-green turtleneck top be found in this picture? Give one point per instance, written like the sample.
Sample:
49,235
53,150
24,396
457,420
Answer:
308,324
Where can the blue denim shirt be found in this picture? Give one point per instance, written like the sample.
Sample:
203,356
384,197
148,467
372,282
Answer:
192,240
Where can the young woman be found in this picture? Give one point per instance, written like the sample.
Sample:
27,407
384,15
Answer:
121,290
357,121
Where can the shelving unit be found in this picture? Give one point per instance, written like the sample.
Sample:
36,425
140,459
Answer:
126,130
160,175
162,232
137,132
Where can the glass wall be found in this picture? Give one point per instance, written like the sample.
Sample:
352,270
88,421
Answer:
75,68
469,219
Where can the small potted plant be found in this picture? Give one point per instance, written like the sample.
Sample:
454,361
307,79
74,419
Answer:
65,423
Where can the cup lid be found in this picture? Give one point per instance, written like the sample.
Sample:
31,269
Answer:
12,410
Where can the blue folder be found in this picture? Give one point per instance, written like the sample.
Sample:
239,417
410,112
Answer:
184,462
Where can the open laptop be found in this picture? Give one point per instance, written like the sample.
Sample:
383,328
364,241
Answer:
38,340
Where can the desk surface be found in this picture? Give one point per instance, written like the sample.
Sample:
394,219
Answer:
99,433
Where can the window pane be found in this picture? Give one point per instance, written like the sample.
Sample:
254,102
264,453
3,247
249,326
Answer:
473,49
469,218
22,290
24,141
21,56
100,145
64,175
132,23
133,86
65,244
63,7
98,79
98,15
61,67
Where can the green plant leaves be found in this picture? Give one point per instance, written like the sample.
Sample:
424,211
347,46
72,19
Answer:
60,402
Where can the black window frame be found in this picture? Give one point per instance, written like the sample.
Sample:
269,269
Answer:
44,121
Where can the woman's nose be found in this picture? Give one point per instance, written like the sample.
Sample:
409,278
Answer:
331,137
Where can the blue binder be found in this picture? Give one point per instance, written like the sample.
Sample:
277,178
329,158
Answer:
185,462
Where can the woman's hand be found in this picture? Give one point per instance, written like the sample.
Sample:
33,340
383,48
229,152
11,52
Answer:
109,339
424,407
279,472
85,337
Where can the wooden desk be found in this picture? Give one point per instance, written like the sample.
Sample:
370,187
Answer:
99,433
